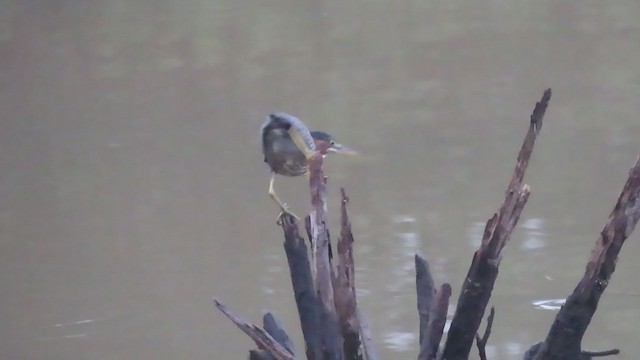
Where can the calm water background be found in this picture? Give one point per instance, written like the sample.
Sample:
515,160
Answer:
132,187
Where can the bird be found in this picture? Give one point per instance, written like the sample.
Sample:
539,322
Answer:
288,145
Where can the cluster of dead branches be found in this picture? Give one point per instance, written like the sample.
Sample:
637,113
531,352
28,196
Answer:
334,328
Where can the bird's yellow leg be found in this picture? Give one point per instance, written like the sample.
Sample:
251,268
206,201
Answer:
284,209
300,143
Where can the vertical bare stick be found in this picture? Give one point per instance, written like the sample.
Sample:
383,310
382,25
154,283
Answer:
432,308
435,326
344,286
303,288
330,330
426,291
483,272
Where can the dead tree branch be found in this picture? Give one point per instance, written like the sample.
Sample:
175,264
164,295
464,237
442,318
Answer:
483,272
345,288
432,307
260,337
330,329
303,289
273,326
564,339
426,291
437,320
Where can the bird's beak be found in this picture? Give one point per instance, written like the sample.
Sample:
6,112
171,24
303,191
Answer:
341,149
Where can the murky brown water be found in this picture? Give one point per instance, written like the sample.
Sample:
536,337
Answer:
132,188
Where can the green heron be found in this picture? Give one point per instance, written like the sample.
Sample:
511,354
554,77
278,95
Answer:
288,145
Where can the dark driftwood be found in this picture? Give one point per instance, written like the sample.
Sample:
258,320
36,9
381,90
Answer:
260,355
425,291
565,336
483,272
303,287
329,326
326,300
273,326
432,308
316,317
264,341
437,319
345,288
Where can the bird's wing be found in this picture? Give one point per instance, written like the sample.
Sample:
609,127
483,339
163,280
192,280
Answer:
298,127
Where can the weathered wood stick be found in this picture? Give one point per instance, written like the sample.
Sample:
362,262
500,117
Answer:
432,308
303,288
483,272
259,336
437,321
274,328
564,340
344,286
425,291
329,326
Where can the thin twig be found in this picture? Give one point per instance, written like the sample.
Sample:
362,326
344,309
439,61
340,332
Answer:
481,342
587,355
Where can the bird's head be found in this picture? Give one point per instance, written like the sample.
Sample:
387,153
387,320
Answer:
326,144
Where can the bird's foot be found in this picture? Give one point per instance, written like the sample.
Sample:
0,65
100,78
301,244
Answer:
284,209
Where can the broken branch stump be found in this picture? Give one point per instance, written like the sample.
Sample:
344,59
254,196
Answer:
264,341
483,272
432,308
565,336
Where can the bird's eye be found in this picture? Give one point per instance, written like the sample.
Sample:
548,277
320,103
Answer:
333,142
